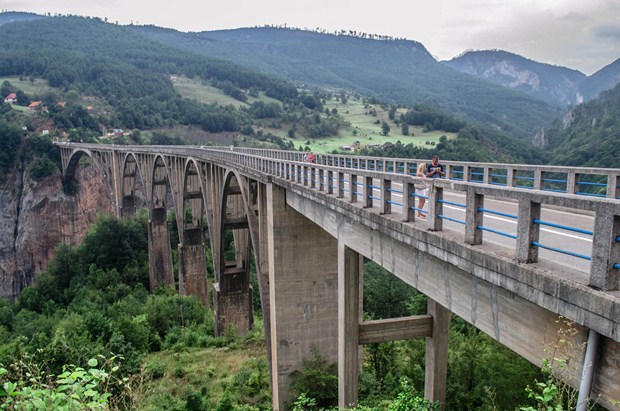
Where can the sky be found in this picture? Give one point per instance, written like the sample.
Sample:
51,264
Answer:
578,34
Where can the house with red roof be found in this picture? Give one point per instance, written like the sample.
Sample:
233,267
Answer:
11,98
35,105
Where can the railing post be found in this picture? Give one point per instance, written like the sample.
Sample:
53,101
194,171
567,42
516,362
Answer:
612,186
353,188
330,182
386,190
572,182
340,184
448,171
510,177
538,179
312,181
605,250
408,213
473,217
527,231
466,175
368,191
435,208
486,175
321,179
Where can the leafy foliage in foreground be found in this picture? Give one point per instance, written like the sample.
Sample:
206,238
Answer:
27,387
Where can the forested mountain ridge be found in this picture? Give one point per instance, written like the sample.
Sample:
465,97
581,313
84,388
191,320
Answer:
588,134
394,70
604,79
553,84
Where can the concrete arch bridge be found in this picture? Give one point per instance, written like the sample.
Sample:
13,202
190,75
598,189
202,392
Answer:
509,248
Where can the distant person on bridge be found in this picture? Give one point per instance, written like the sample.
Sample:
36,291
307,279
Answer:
420,190
312,160
306,157
435,169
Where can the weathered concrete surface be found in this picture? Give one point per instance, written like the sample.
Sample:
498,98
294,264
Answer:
303,277
516,304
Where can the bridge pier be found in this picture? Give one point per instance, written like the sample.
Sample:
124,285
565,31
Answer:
303,277
192,266
436,368
350,291
160,255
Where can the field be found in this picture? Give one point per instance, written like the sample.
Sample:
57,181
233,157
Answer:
366,128
197,89
34,87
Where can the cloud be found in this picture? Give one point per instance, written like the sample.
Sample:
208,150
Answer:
607,32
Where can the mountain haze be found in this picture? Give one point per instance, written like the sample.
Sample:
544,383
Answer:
604,79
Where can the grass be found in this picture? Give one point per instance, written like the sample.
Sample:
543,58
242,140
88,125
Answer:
365,129
172,376
34,87
199,90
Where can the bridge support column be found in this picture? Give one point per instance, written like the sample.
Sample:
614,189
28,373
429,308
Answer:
349,313
192,266
160,255
437,354
303,277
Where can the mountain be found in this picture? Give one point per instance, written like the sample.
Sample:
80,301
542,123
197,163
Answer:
553,84
604,79
12,16
588,134
394,70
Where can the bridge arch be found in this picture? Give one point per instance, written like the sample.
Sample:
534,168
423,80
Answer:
160,253
133,195
190,220
233,291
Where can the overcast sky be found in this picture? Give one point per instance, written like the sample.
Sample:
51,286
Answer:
579,34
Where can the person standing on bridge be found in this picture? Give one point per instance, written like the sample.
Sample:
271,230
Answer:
435,169
420,190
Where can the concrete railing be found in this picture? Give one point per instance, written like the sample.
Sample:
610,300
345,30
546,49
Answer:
597,182
393,195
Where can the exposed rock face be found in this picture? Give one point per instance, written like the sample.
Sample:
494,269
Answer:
555,85
37,216
540,139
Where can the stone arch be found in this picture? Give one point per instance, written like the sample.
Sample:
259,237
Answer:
233,291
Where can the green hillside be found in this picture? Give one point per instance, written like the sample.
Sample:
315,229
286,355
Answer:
588,135
395,71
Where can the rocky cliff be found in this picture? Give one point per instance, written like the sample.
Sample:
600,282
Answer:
553,84
37,216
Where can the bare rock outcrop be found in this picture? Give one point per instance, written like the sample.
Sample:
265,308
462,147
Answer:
37,216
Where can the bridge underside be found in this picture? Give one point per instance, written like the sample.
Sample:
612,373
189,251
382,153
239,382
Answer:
486,291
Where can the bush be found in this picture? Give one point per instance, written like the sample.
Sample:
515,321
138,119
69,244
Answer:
318,378
28,387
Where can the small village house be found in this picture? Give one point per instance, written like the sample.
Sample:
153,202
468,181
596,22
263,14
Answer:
11,98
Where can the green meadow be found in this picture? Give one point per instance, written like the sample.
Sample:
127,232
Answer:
365,127
199,90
